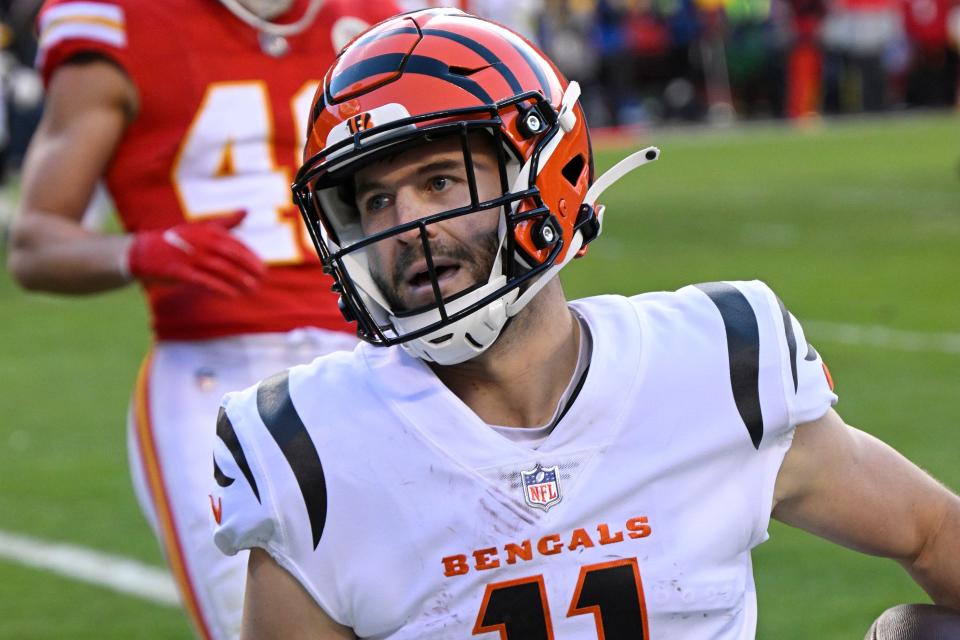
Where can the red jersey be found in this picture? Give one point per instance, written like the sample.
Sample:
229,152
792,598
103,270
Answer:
220,128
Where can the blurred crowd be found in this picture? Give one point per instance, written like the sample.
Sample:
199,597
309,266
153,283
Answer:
21,92
653,61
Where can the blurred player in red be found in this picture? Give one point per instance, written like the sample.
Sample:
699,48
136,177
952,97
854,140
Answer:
193,113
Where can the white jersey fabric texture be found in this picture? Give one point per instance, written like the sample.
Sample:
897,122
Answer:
405,516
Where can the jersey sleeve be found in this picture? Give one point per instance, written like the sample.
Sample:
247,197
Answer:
241,514
69,28
813,391
807,385
777,380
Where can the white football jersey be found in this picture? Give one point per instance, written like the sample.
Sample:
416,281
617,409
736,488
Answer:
405,516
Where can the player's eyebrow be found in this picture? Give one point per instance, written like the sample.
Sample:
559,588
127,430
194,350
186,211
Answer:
445,164
365,186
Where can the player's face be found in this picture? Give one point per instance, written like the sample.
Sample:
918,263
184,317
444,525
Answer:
417,183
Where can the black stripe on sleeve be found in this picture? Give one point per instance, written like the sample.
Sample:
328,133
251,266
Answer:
791,341
284,424
229,437
222,479
743,351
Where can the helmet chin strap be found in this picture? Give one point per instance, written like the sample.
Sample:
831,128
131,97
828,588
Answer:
259,22
567,119
633,161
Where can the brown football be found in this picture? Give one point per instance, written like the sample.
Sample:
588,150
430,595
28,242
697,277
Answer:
916,622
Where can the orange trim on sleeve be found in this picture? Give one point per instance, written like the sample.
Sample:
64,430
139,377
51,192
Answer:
168,530
826,372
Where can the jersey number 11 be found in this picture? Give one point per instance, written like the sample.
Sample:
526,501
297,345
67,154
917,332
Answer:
611,591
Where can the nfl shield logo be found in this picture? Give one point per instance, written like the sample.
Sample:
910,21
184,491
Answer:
541,486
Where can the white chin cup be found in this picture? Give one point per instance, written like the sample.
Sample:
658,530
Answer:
464,339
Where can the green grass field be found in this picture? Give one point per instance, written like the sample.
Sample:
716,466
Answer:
853,222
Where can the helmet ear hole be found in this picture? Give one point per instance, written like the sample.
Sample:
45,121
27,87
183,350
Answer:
574,169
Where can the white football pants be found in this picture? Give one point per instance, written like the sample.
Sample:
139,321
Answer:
171,428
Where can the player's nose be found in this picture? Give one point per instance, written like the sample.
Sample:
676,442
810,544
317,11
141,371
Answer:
410,208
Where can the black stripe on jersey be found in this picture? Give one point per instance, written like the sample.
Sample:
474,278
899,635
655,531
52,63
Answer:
229,437
743,351
222,479
483,52
812,354
284,424
791,341
393,62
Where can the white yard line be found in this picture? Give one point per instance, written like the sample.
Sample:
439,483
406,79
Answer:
103,569
882,337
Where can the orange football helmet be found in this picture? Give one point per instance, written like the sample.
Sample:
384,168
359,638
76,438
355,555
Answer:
426,75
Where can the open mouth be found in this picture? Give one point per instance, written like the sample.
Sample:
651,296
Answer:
420,286
444,273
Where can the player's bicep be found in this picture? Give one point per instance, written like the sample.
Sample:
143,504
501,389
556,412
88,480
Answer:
276,606
849,487
86,112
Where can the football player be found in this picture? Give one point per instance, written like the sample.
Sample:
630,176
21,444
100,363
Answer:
194,113
499,461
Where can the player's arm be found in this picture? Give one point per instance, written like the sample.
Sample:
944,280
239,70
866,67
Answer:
845,485
89,105
87,109
276,606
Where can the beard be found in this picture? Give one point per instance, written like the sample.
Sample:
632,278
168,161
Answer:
477,259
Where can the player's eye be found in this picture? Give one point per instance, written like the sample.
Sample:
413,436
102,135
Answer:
376,202
439,183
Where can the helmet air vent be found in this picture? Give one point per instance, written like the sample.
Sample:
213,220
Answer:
574,169
466,71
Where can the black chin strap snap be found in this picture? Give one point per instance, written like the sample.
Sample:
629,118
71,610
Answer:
546,233
588,224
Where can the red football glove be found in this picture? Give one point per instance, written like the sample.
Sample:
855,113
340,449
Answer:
203,254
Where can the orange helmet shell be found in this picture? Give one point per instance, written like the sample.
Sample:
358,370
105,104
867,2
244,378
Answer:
438,60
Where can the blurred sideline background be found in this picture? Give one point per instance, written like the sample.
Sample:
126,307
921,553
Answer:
815,145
